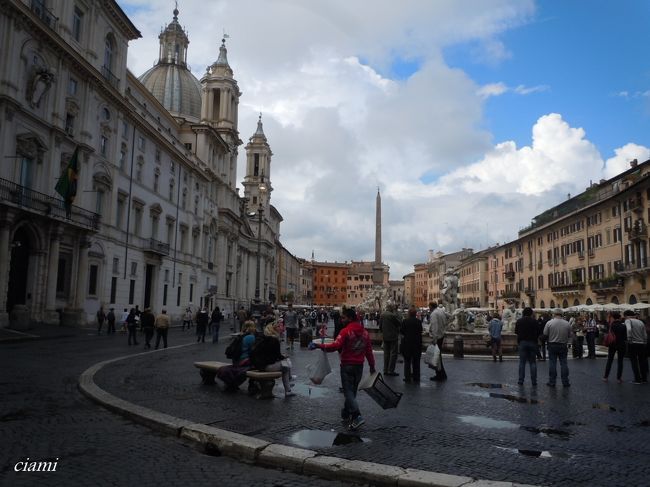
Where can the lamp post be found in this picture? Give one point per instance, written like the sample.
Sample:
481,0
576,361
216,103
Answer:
259,213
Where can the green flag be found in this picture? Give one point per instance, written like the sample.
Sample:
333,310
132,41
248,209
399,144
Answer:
67,184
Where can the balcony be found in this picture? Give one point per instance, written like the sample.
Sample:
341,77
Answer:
636,204
639,267
607,285
110,77
46,206
581,255
568,289
638,231
510,295
44,14
510,275
530,292
156,247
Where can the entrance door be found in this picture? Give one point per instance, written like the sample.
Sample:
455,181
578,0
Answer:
17,288
148,278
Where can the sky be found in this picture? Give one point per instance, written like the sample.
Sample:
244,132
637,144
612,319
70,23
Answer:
470,116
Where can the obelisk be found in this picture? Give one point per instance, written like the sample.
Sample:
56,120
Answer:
377,267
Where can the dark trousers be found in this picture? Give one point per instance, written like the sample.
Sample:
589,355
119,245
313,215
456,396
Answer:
541,351
186,323
412,366
527,351
577,346
350,378
111,328
620,351
441,373
132,334
637,354
99,327
148,334
200,333
558,351
161,333
591,345
390,355
215,331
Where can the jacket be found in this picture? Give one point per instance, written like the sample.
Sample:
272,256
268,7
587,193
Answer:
390,325
147,319
412,331
437,324
162,321
635,331
354,344
526,329
265,352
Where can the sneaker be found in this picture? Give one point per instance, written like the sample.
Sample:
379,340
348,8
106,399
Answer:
356,422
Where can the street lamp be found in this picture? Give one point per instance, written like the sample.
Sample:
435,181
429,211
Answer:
259,213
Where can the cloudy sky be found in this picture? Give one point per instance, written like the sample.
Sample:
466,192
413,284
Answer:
471,116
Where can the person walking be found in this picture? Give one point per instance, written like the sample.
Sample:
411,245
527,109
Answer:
591,333
617,347
125,315
389,324
187,319
162,324
202,319
557,332
411,330
290,320
132,327
437,328
101,317
541,339
494,329
577,344
242,316
526,331
147,321
354,344
215,321
110,318
336,318
636,343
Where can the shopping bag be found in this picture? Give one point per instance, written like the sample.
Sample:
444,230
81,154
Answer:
428,355
437,358
320,369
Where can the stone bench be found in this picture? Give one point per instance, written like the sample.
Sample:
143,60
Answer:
260,383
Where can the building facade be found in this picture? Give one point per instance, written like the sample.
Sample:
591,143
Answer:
329,281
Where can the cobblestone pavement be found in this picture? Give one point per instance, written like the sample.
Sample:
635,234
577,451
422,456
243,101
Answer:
43,416
480,423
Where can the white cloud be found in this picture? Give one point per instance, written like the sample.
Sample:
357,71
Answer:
338,128
624,155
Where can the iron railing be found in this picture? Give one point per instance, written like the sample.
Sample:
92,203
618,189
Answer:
45,205
157,247
44,13
110,77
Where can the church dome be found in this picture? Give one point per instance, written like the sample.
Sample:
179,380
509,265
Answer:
176,88
170,80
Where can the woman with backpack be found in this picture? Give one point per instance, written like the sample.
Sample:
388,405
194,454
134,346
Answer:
265,356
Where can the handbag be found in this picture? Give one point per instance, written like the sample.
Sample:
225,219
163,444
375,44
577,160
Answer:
610,338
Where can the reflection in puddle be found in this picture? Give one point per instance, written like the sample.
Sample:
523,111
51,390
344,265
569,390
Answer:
476,393
615,428
544,431
309,390
484,422
510,397
606,407
486,385
645,422
536,453
324,439
572,423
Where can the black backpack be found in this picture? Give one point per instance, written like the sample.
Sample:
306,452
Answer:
233,351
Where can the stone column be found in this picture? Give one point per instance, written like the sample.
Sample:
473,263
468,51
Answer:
82,273
50,316
5,254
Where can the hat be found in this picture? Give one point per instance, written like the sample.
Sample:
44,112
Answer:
629,312
558,312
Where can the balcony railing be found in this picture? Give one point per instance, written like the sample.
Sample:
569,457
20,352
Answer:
510,275
637,232
510,294
581,254
568,288
157,247
530,291
606,284
637,265
47,206
44,13
110,77
636,204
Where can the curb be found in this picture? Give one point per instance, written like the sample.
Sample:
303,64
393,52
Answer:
265,454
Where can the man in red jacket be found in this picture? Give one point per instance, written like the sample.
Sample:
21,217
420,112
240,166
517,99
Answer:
354,344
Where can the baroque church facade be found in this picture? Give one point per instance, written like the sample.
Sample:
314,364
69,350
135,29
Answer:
157,220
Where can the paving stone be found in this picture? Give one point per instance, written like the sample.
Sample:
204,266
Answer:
285,457
421,478
234,445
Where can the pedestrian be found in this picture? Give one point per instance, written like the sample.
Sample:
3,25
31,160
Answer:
147,320
591,333
541,340
265,356
411,329
389,324
125,315
187,319
290,320
162,324
617,347
101,316
495,326
557,332
636,343
437,328
242,316
110,318
215,322
202,319
336,318
354,344
577,344
526,331
132,327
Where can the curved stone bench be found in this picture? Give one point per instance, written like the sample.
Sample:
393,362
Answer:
260,384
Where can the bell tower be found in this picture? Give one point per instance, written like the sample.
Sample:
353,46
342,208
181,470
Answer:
257,182
173,43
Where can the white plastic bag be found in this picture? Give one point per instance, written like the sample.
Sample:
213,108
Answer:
432,356
437,358
320,369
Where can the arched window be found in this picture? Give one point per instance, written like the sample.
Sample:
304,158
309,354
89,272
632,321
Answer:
576,302
108,52
614,300
542,304
632,299
565,304
552,303
589,302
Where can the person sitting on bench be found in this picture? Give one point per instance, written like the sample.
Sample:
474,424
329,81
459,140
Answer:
265,356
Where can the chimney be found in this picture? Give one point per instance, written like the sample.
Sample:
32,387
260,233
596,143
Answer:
633,163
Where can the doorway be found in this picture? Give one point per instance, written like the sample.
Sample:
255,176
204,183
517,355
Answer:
18,272
148,283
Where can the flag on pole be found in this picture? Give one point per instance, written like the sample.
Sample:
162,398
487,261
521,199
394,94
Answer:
67,184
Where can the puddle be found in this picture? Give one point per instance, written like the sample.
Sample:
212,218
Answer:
307,390
572,423
615,428
536,453
324,439
645,422
484,422
486,385
605,407
476,393
550,432
510,397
